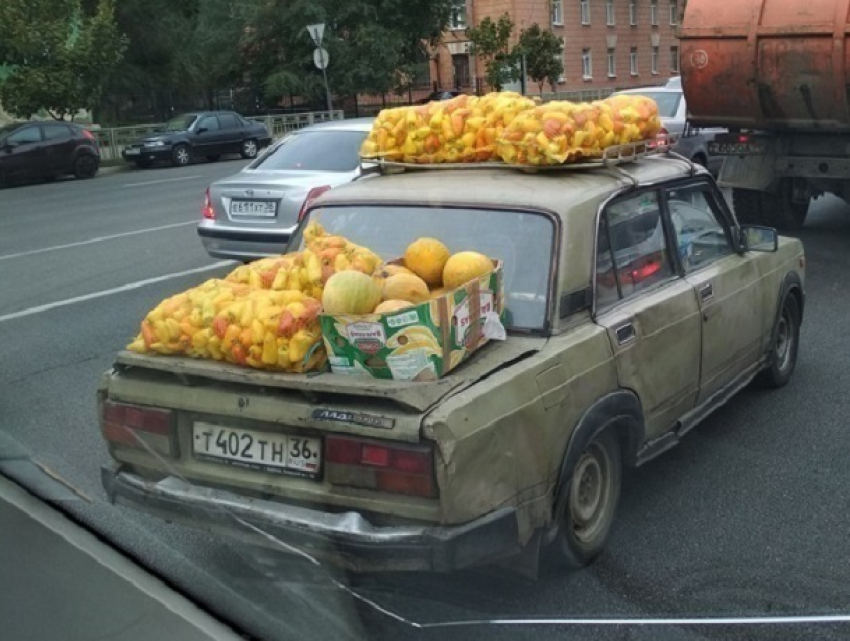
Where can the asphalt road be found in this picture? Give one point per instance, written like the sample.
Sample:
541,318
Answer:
748,517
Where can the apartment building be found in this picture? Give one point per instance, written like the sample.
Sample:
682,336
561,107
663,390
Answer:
608,44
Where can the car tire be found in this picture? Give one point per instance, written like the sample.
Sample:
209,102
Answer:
700,160
85,167
747,205
214,158
588,504
250,149
181,155
784,345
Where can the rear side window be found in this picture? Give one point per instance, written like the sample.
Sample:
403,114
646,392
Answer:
632,253
319,150
57,132
27,135
229,121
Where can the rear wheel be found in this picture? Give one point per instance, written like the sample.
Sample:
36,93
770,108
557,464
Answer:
786,339
588,503
85,166
180,156
700,160
772,209
249,148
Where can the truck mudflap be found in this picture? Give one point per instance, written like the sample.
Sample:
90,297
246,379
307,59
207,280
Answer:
344,539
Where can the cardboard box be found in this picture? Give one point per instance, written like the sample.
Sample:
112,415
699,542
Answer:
421,342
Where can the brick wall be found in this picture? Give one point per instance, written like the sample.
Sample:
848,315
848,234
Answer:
595,37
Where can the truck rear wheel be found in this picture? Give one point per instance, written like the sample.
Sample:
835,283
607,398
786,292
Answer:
771,209
747,203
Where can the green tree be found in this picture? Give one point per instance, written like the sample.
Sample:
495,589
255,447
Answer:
492,41
59,55
543,55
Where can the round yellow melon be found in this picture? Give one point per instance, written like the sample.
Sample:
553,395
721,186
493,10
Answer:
408,287
392,306
426,258
464,267
350,292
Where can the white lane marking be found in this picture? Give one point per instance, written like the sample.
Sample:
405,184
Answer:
164,180
98,239
108,292
731,621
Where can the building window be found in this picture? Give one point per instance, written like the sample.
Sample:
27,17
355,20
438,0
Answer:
633,12
558,12
612,64
674,59
655,61
586,64
560,58
457,18
674,12
653,13
633,68
585,11
609,12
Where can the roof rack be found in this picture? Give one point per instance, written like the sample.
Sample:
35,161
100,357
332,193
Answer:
611,157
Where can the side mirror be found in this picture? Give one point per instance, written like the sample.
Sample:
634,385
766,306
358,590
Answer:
201,130
758,239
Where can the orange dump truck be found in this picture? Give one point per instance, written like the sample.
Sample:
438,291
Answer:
776,74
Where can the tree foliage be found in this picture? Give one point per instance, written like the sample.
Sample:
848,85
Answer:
544,60
491,40
59,53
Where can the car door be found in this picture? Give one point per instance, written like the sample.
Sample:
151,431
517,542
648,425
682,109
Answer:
231,133
59,145
649,310
22,155
726,283
208,136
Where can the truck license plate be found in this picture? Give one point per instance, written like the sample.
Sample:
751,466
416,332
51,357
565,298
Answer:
263,451
735,148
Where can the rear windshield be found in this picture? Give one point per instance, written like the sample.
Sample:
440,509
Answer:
316,151
667,101
522,241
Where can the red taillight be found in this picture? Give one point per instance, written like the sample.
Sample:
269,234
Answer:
645,271
207,210
743,138
89,135
138,426
313,194
398,469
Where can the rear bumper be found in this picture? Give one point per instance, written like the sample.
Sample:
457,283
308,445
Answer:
242,244
344,539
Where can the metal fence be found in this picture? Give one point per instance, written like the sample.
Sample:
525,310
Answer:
112,141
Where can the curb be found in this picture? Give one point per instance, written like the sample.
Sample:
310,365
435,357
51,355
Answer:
112,169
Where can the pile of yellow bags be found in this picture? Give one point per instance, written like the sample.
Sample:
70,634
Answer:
509,127
262,315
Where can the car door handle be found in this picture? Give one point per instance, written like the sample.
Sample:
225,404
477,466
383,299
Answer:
706,292
625,333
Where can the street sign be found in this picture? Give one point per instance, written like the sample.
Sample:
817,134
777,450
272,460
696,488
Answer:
321,58
317,32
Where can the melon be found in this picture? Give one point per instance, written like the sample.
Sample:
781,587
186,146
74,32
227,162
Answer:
350,292
464,267
408,287
392,306
426,257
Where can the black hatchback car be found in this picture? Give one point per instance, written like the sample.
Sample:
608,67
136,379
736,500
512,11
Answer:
205,134
32,150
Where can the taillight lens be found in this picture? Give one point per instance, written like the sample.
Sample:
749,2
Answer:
89,135
313,194
138,426
207,210
379,466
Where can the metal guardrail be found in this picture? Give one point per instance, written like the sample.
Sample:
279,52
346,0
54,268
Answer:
113,140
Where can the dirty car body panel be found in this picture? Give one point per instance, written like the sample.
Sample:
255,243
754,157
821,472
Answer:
608,328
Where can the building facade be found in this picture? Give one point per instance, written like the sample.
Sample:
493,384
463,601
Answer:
608,44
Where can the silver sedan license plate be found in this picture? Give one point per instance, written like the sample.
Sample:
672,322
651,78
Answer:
132,151
262,451
263,208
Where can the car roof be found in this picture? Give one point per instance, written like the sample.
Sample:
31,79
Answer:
653,89
350,124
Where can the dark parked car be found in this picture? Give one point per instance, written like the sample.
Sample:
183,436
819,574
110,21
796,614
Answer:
31,150
205,134
439,95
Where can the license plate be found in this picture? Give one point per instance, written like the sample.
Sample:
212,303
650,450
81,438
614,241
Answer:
735,148
132,151
262,451
267,208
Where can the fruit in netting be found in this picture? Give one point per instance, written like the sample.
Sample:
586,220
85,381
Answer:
392,306
350,292
463,267
426,258
407,287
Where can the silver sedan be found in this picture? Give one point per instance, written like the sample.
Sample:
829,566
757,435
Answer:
253,213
